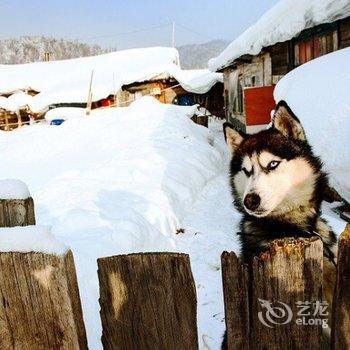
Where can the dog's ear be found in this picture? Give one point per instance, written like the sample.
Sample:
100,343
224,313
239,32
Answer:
233,137
286,122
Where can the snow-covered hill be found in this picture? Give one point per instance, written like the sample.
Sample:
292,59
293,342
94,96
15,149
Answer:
32,49
194,56
28,49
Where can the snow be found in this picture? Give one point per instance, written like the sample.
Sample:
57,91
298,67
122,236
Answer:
197,80
125,180
65,113
68,80
13,189
281,23
38,239
318,93
16,101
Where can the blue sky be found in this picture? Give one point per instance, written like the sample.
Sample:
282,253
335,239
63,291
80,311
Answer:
111,23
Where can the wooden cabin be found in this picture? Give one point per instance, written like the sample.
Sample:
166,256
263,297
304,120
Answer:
168,90
13,118
249,80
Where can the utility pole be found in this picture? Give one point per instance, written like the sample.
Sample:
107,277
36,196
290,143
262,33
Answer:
173,35
89,101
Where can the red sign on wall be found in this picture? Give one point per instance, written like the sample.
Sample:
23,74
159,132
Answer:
258,103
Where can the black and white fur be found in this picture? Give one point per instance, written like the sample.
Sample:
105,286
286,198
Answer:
278,184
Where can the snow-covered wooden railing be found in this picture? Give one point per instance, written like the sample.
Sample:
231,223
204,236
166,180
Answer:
40,306
277,301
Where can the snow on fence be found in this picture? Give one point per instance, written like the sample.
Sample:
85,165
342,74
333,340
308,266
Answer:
148,300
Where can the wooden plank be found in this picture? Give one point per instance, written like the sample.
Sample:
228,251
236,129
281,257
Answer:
235,279
6,122
40,306
280,58
341,300
344,33
17,212
290,273
148,301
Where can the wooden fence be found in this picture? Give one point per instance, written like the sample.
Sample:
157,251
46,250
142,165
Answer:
148,301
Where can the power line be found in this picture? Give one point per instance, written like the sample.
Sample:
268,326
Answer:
126,33
149,29
193,31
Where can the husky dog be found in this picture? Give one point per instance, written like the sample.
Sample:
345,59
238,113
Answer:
278,184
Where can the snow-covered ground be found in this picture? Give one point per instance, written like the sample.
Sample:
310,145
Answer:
126,180
318,93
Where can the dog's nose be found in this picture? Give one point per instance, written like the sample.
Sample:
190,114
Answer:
251,201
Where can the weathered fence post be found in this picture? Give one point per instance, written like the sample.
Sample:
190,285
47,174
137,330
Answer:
39,302
148,301
235,277
16,205
266,304
341,300
17,212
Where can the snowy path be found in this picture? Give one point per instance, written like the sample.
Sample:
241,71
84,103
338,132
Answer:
209,230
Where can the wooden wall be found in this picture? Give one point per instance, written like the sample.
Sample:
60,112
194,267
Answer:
280,61
344,33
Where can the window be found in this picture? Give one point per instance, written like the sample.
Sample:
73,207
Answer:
239,104
316,46
253,80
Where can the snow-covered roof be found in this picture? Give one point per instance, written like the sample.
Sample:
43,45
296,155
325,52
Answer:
318,93
68,80
281,23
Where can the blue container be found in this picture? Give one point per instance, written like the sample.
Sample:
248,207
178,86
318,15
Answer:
185,100
56,121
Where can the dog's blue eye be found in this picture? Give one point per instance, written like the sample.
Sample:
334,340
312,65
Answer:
273,165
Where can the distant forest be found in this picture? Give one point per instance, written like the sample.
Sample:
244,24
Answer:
32,49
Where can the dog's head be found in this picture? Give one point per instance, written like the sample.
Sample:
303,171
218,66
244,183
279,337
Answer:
274,171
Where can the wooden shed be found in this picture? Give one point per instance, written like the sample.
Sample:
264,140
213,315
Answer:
15,114
169,90
250,79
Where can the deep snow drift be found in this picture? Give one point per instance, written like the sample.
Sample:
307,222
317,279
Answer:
282,22
318,93
125,180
